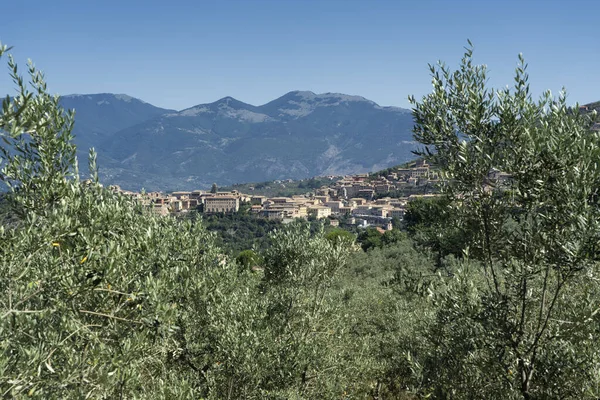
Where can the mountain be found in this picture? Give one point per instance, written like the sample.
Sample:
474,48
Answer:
298,135
592,106
99,116
595,106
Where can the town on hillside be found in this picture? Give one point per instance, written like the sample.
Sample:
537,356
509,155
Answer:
363,200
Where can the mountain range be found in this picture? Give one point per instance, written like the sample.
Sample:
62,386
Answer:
298,135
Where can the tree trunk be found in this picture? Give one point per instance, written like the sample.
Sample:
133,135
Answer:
525,373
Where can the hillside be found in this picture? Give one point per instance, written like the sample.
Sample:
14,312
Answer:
99,116
593,106
279,188
298,135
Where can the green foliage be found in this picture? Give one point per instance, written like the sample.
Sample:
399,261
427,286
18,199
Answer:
239,231
513,321
432,224
248,259
384,318
282,188
391,237
29,121
369,238
339,234
99,287
313,183
8,217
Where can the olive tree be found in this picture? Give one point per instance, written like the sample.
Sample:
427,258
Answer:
93,287
522,176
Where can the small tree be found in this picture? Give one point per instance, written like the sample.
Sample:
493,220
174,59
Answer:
93,288
339,234
247,259
369,238
529,324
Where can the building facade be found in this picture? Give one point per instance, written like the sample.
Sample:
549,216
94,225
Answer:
221,204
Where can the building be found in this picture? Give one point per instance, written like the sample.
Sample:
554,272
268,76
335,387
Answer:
345,210
160,209
383,188
362,210
323,199
258,200
420,172
176,205
189,204
272,213
398,203
279,200
181,195
421,162
301,211
233,193
196,194
396,213
319,211
288,210
380,210
335,206
221,204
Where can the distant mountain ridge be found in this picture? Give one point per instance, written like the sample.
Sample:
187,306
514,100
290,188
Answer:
98,116
593,106
298,135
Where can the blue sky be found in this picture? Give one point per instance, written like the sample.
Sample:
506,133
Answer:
177,54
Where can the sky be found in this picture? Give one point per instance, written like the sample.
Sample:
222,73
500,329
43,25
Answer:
177,54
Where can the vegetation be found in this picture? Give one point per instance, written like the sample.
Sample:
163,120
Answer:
519,317
387,171
242,230
407,191
492,291
239,231
285,188
432,225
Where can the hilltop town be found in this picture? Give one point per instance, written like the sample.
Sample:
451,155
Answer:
362,200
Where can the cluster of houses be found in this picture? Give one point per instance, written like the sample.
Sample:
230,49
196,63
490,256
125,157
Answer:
181,202
358,198
363,186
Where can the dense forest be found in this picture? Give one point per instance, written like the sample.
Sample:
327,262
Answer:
490,291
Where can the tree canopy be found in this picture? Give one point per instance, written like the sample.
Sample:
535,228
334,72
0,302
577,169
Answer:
515,318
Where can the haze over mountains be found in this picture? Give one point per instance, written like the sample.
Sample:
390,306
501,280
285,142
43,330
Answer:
298,135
